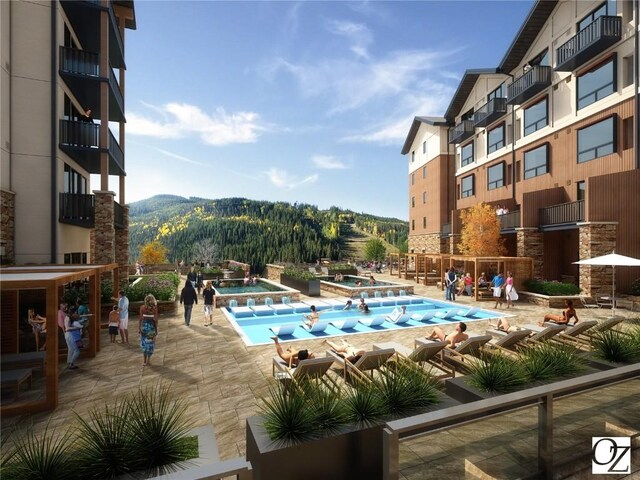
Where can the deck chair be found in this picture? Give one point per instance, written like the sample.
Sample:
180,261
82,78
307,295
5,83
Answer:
345,324
312,368
508,341
426,353
604,303
545,333
401,319
423,317
283,330
459,357
608,324
448,314
577,334
373,322
588,302
317,327
469,313
363,369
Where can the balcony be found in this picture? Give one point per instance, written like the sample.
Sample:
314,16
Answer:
80,70
509,221
592,40
536,80
85,18
118,216
77,209
490,112
561,216
446,230
461,132
81,141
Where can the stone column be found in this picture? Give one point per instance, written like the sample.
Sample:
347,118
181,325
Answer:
103,233
7,227
122,247
454,240
530,243
596,239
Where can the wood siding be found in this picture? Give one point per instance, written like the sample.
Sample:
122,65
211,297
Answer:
9,318
439,187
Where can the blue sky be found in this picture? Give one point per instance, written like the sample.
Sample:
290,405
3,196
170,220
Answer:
307,101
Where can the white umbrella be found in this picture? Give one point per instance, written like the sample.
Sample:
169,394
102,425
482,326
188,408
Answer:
614,260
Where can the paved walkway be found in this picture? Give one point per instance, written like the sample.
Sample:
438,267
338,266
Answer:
221,379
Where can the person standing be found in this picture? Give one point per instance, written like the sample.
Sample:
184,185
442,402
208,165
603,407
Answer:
209,295
199,281
123,311
191,276
498,283
62,313
188,297
450,284
72,347
509,290
148,328
114,323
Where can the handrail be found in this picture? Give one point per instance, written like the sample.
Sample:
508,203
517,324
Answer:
605,26
462,130
73,60
569,212
496,105
115,86
537,74
116,151
510,220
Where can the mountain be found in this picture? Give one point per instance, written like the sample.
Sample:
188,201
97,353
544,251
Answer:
257,232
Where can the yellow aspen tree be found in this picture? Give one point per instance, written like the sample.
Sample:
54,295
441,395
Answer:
153,253
480,235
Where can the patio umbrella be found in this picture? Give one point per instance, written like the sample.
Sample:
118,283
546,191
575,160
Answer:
614,260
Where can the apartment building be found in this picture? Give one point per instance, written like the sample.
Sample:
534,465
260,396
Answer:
551,134
62,78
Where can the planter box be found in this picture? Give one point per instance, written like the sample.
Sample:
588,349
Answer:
549,302
343,271
310,288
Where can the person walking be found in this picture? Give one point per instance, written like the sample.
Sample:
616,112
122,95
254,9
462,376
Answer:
188,297
69,336
148,328
191,276
123,311
199,281
509,290
209,295
498,284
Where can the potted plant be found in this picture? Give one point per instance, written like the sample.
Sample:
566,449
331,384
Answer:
302,280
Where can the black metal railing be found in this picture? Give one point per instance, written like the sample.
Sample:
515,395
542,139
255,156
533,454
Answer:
446,229
79,134
118,215
80,62
490,112
563,213
114,25
529,84
594,38
115,88
115,151
510,220
77,209
461,131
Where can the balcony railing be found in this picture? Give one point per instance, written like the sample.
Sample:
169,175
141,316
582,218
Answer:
115,151
80,62
77,209
595,38
116,36
562,214
115,89
537,79
446,229
79,134
118,215
490,112
510,221
461,131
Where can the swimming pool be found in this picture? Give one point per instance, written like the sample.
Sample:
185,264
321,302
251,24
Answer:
235,292
238,286
351,281
348,287
253,323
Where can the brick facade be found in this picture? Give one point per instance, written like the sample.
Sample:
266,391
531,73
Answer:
7,226
596,239
122,248
103,234
427,243
530,243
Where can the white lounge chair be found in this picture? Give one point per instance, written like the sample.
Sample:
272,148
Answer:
469,313
317,327
588,302
423,317
373,322
448,314
281,309
345,324
284,330
262,310
422,353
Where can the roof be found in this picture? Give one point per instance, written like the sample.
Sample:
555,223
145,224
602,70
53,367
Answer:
129,22
464,89
435,121
538,16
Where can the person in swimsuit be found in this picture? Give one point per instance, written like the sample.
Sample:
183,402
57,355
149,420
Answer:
346,350
148,328
311,318
38,325
453,338
567,314
290,356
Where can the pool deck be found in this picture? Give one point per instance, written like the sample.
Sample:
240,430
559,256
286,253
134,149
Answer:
221,379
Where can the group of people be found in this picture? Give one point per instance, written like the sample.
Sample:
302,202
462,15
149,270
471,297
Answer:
249,280
501,210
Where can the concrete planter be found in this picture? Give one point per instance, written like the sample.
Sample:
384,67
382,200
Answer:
343,271
549,302
311,288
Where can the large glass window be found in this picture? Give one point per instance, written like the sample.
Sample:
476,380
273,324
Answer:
541,59
500,92
582,189
467,187
495,176
73,181
536,117
608,8
597,140
536,161
597,83
466,154
424,197
495,139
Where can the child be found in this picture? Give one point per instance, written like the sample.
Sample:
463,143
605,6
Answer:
114,323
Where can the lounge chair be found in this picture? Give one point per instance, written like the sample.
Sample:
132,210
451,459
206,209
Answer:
401,319
345,324
317,327
368,362
299,307
373,322
469,313
284,330
309,368
508,341
459,357
448,314
575,333
545,333
588,302
603,302
423,317
280,309
241,312
608,324
262,310
425,353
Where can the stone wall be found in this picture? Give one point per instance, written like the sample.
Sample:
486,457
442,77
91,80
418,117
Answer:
371,291
103,234
122,248
427,243
272,272
530,243
454,240
7,226
596,239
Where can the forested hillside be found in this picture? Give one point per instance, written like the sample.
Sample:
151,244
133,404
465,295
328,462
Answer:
255,232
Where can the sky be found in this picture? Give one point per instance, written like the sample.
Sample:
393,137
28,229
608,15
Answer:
305,102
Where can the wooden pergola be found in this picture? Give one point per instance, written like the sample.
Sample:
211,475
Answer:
433,265
51,279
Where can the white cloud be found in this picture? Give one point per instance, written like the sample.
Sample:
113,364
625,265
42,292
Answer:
328,162
179,120
285,180
358,33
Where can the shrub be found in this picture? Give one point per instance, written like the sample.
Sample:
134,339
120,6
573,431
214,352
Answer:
406,389
364,404
635,287
551,288
616,346
497,373
287,416
213,271
162,286
548,361
106,291
303,275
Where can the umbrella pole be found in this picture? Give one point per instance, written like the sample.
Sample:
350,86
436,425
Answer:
613,289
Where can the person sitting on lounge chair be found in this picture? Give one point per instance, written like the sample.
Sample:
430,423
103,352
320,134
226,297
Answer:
504,326
453,338
567,314
290,356
346,350
311,318
397,313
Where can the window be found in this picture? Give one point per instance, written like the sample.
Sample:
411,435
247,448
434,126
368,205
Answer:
582,189
495,176
627,71
424,197
413,156
597,83
495,139
627,133
413,178
608,8
424,147
413,202
499,92
467,116
536,161
75,258
542,59
466,154
73,181
424,172
413,224
536,116
597,140
424,222
466,186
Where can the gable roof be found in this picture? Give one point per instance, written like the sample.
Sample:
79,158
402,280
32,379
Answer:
435,121
464,89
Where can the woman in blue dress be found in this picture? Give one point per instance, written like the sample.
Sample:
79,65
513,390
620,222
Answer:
148,327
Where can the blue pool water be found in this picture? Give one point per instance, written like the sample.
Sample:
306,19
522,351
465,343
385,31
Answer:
253,323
